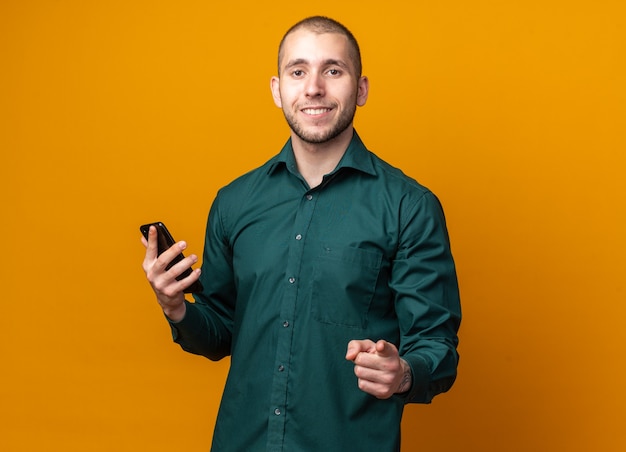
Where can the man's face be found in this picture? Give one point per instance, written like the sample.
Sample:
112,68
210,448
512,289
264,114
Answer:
318,89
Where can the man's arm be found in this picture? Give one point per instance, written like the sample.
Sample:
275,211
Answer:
204,327
423,280
427,301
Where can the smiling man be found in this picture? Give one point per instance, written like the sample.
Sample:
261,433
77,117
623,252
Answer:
328,277
319,88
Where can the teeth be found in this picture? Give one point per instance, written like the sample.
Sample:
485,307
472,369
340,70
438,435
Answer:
315,111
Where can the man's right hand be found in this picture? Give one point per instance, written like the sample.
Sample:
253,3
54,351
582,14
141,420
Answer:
168,290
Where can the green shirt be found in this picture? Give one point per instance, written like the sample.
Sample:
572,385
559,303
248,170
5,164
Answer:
292,274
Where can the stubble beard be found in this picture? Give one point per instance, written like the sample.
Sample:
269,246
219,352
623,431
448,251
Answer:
341,124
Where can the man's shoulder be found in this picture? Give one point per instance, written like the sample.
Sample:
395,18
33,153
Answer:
395,176
247,181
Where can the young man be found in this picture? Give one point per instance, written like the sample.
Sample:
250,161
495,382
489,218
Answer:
327,274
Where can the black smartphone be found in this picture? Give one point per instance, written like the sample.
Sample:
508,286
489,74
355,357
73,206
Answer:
164,242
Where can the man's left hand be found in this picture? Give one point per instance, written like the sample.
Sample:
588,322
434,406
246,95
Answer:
379,369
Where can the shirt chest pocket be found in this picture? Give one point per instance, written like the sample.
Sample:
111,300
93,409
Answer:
344,282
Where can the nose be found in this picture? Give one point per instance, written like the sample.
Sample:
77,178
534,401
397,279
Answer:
314,86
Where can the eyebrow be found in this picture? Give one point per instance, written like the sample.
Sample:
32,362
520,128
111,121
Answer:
328,62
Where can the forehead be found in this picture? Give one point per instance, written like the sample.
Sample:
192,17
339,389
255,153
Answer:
314,48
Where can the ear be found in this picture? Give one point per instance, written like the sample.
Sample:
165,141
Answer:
275,87
363,91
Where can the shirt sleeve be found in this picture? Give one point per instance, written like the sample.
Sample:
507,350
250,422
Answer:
207,326
427,300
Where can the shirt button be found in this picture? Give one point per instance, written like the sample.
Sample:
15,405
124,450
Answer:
292,280
299,237
286,323
281,368
277,412
309,197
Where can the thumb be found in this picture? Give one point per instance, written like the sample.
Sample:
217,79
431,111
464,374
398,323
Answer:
355,347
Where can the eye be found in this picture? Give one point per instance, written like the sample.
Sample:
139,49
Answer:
297,73
334,72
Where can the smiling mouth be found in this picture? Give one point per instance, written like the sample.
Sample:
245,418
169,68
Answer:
315,111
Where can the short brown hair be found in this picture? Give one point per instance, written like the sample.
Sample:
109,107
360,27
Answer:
320,25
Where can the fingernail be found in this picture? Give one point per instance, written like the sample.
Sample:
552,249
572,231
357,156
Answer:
182,245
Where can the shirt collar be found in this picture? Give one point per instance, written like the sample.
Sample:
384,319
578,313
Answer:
356,157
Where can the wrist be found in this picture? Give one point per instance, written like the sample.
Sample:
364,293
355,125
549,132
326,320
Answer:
406,379
177,313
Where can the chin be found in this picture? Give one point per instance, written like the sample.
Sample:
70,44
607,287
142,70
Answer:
319,137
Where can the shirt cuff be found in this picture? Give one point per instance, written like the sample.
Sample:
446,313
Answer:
190,322
420,385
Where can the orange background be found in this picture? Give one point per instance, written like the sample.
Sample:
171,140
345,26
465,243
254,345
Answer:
118,113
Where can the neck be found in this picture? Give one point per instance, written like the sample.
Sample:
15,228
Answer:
315,160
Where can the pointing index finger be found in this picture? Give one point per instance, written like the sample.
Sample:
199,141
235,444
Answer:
386,349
